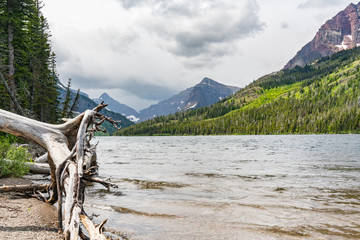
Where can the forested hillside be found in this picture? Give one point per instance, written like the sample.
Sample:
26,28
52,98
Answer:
320,98
27,63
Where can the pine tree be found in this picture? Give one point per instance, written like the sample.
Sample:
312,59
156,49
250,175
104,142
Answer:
67,101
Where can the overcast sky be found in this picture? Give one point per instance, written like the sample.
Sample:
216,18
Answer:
145,51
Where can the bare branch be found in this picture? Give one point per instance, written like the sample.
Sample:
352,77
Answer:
95,232
104,182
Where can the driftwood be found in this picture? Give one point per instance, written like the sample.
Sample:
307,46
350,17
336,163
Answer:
71,161
24,188
37,168
42,159
96,232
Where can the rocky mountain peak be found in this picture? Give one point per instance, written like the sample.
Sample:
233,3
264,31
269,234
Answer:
337,34
208,81
104,95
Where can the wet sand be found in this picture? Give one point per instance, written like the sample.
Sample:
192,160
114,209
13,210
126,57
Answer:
22,217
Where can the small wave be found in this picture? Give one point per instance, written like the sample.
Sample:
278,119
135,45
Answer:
135,212
120,163
103,192
209,175
294,231
252,206
145,184
246,177
341,194
342,168
350,232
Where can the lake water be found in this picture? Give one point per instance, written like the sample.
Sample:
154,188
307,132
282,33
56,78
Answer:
230,187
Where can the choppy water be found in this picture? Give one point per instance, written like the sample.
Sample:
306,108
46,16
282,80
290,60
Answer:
230,187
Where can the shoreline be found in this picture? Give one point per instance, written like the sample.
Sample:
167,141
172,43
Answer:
23,217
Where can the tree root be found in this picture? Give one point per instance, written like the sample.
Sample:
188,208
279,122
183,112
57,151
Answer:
69,169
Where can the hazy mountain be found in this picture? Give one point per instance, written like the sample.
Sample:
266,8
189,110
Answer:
115,106
337,34
205,93
85,103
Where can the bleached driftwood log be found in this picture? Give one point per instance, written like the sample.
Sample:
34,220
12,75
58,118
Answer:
42,158
23,188
37,168
71,160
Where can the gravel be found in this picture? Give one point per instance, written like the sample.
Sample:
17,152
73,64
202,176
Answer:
22,217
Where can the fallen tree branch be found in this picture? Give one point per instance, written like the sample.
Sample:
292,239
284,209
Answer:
24,188
95,232
39,168
104,182
42,159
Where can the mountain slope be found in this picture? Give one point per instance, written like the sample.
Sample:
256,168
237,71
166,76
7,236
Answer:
337,34
321,98
205,93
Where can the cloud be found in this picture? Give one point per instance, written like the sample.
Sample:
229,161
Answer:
145,90
198,29
320,3
134,86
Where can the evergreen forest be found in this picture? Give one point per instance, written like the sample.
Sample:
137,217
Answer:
28,78
320,98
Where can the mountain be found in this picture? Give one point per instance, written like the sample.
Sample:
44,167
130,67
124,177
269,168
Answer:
205,93
115,106
62,91
85,103
318,98
337,34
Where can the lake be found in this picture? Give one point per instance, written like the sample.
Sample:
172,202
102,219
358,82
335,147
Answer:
230,187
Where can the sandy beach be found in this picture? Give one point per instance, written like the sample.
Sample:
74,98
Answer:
22,217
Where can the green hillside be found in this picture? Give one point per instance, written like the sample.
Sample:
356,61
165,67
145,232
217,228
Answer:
321,98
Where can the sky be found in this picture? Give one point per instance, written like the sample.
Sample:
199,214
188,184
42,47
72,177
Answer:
143,51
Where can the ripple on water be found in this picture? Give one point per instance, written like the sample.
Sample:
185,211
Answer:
125,210
231,176
146,184
290,187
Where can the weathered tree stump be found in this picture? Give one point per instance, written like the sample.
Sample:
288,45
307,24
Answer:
71,161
